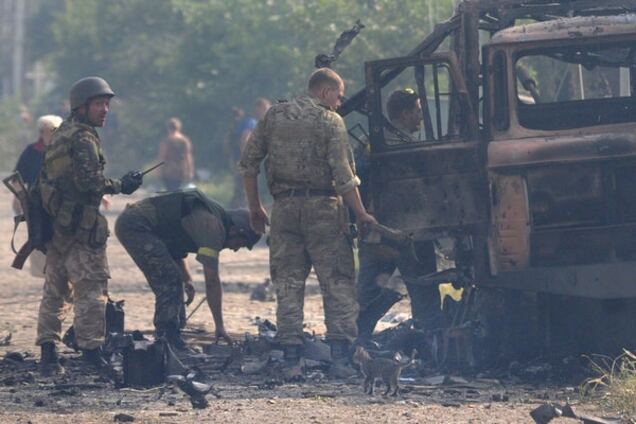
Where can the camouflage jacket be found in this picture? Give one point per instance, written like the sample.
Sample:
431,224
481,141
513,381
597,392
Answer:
74,164
72,184
304,145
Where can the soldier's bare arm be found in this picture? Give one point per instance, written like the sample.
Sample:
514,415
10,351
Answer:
343,171
214,293
87,168
249,165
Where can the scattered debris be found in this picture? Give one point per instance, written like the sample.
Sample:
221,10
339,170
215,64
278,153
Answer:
544,413
15,356
196,390
263,292
255,365
6,340
144,364
316,350
500,397
266,328
123,418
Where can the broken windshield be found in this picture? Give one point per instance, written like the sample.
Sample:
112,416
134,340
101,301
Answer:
576,86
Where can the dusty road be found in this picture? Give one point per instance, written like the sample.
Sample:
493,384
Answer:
30,398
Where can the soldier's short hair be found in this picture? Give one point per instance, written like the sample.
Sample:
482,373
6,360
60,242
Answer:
401,101
48,121
174,124
262,101
324,76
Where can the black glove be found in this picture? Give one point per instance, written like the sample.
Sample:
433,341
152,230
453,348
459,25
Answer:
131,182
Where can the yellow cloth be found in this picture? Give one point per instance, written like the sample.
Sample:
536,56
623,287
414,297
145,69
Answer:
206,251
447,289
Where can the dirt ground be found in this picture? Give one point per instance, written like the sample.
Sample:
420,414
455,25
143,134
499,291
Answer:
243,400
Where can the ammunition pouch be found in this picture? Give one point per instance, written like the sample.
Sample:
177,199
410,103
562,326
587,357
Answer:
74,218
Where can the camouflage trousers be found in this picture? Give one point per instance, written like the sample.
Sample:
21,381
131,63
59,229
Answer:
150,253
305,232
78,276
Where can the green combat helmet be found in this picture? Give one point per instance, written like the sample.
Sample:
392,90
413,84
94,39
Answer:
88,87
241,220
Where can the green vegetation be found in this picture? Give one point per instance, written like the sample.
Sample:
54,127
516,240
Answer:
615,384
196,59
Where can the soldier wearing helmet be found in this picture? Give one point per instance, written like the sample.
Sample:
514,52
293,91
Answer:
71,185
158,234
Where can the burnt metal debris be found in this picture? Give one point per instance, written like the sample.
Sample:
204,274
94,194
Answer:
526,162
326,60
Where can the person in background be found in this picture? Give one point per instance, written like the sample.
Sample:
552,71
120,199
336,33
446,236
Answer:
28,166
175,149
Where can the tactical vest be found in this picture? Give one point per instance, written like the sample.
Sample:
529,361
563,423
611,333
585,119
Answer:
75,212
172,207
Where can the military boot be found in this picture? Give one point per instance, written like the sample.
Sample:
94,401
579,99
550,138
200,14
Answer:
340,360
292,370
94,358
172,335
49,361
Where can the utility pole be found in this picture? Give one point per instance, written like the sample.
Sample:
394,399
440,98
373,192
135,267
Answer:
18,49
6,30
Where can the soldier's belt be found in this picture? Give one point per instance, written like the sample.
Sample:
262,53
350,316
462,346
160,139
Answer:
305,192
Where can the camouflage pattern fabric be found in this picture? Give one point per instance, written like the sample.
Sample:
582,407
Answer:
306,232
78,276
135,232
304,145
72,185
75,162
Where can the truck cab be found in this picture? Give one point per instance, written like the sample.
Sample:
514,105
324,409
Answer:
527,149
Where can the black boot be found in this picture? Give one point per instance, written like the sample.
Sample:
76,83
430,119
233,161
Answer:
341,360
94,358
374,311
49,361
171,334
292,371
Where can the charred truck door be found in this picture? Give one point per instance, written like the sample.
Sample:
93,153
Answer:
427,174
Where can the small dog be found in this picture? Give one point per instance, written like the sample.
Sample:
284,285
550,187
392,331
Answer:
388,370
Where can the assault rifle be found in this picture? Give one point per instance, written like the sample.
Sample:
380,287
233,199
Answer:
39,223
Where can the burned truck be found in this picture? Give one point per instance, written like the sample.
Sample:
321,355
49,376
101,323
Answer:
526,159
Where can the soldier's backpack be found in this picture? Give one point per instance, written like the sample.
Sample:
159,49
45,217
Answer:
39,223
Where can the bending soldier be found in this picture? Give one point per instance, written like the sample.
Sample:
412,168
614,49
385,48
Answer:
309,171
72,184
160,231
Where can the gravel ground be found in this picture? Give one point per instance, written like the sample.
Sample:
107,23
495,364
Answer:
26,397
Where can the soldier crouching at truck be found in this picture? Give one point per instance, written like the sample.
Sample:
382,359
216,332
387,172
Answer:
160,231
405,114
72,184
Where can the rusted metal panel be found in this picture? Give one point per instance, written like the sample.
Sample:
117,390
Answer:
566,28
601,281
431,188
510,231
564,149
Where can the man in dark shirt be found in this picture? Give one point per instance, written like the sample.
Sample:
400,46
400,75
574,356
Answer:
160,231
30,160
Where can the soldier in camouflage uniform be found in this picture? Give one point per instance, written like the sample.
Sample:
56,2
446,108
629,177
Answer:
160,231
72,184
309,170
